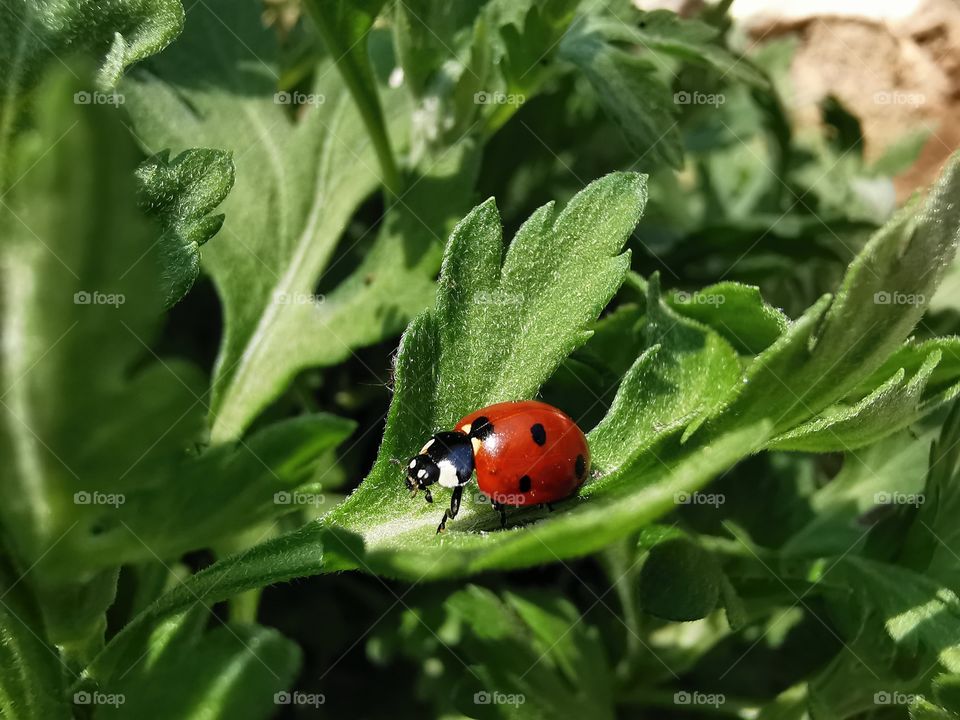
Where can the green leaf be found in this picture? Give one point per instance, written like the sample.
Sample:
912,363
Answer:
530,33
80,306
736,312
181,193
426,33
931,543
911,357
838,343
234,671
33,32
204,499
396,276
897,403
631,93
921,709
902,153
685,38
946,691
502,325
31,676
685,374
81,309
679,580
311,550
299,180
533,647
917,613
869,477
498,331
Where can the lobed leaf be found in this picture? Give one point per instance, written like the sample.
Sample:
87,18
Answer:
631,93
736,312
686,38
686,372
894,405
299,181
838,343
181,193
498,331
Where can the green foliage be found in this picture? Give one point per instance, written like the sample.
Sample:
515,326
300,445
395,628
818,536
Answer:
697,324
630,90
283,216
840,341
545,654
181,193
228,672
679,580
737,312
31,680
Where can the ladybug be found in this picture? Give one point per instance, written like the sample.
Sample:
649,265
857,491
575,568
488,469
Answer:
525,453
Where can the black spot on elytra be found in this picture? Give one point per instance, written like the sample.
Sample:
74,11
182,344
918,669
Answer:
481,428
539,434
580,466
525,484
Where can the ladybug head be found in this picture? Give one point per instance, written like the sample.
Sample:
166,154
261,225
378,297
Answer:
447,458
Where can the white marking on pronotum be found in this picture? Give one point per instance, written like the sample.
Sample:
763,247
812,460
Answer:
466,428
475,442
448,474
427,446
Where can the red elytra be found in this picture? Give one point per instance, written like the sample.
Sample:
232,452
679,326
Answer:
526,452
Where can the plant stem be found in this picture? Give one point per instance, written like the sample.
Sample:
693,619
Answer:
620,563
356,73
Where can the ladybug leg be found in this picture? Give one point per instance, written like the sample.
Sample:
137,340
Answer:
454,508
427,496
503,513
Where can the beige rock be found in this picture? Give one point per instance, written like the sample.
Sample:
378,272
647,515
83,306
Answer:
897,70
